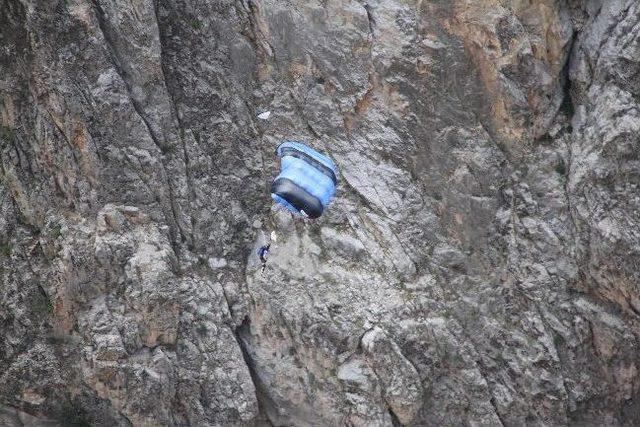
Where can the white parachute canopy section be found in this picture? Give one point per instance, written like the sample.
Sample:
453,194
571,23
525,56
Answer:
264,115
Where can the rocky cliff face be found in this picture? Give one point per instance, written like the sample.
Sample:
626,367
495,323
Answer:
478,266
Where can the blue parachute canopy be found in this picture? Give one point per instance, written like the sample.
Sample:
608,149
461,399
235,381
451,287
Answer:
307,179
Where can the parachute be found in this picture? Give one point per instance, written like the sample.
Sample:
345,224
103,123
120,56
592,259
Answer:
307,179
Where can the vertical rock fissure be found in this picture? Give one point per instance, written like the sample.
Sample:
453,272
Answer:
191,194
116,61
370,18
568,108
492,401
395,422
255,33
264,401
567,102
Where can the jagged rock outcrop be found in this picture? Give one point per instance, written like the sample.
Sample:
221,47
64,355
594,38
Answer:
478,265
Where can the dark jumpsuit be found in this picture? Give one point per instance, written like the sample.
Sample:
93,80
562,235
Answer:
263,252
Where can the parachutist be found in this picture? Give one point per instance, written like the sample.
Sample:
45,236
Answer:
306,182
263,253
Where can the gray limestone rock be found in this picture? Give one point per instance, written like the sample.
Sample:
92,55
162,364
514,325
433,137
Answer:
477,266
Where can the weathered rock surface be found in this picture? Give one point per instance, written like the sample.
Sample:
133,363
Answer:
478,265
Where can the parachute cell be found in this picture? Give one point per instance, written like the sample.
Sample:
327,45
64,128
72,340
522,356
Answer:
307,179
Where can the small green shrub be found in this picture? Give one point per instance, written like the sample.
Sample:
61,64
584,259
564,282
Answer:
558,340
561,167
5,249
545,139
56,231
7,135
359,323
73,415
40,304
202,329
567,106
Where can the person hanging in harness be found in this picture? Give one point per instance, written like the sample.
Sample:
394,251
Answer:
263,253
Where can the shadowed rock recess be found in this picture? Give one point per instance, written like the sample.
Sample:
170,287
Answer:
478,265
